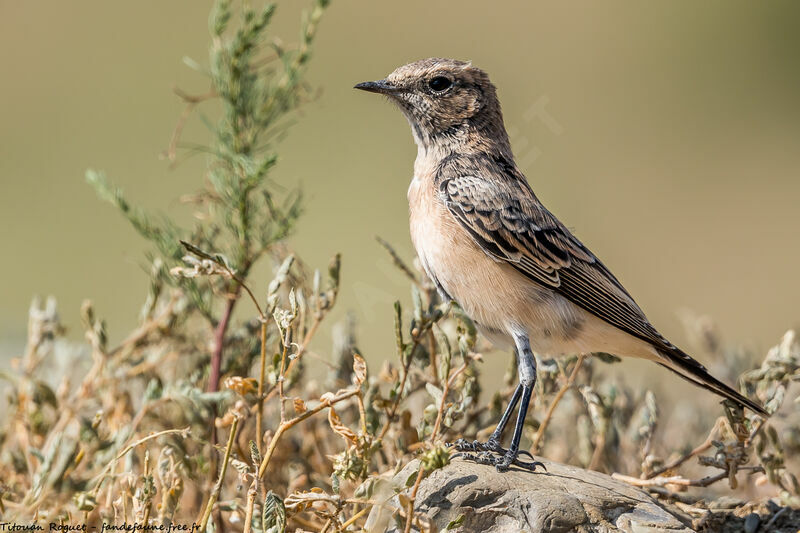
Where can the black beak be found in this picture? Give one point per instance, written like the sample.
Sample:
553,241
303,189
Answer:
380,86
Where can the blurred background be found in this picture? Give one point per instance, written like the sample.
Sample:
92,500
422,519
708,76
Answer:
666,135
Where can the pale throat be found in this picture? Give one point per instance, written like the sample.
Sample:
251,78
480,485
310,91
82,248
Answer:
428,158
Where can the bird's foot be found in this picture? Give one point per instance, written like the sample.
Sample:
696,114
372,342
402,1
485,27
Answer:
491,453
492,445
500,462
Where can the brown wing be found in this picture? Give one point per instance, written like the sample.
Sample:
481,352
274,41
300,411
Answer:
510,224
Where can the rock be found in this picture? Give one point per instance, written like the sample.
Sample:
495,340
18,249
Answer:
751,523
562,499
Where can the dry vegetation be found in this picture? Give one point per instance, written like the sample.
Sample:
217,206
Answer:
198,418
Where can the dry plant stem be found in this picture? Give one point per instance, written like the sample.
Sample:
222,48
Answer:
674,496
282,376
537,439
362,413
597,455
101,476
691,509
263,320
146,511
212,499
219,342
412,499
284,426
326,526
437,425
261,377
306,341
679,480
396,402
698,450
410,505
300,351
399,263
440,414
110,491
307,524
251,501
243,285
434,366
352,519
99,361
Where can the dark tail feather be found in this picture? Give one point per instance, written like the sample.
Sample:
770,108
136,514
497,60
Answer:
689,369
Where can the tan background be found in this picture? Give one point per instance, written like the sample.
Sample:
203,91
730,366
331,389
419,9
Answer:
671,147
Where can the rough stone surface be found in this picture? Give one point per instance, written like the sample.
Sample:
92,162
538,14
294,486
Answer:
563,499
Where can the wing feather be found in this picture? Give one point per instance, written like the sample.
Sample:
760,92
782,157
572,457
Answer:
509,223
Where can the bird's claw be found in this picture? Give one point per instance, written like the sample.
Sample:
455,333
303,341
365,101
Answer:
500,462
463,445
492,454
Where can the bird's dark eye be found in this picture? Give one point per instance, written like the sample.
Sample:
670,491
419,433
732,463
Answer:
439,84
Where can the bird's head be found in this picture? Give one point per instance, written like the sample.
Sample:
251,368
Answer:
446,101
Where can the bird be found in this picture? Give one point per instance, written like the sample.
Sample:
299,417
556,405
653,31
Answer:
487,243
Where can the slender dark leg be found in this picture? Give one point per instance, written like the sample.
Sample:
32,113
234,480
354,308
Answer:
493,444
527,379
513,451
497,434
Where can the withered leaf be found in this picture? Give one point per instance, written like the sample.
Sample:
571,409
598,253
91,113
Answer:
339,428
299,406
359,369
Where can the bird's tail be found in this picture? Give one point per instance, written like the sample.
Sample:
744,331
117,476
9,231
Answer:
689,369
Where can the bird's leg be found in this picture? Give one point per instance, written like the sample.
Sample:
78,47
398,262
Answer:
527,379
497,434
493,444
